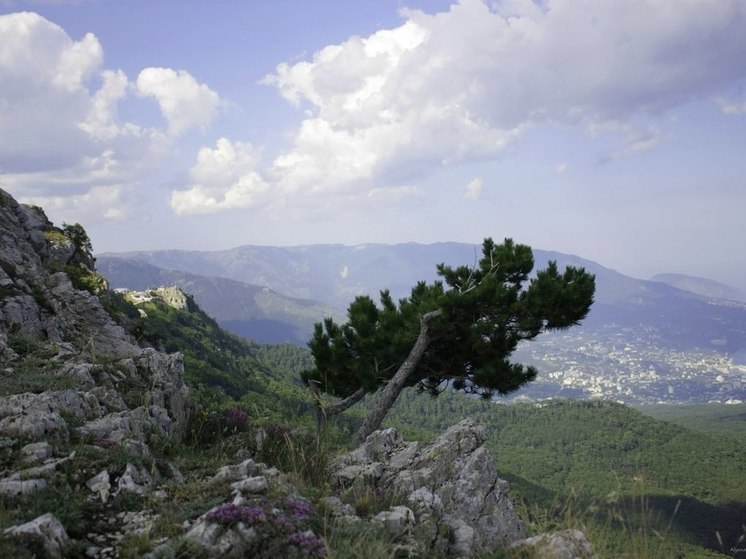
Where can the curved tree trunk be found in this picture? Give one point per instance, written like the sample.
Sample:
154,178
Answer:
324,412
394,387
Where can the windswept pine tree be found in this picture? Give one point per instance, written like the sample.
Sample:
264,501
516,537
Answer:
461,330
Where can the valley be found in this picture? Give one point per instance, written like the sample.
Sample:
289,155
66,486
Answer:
632,366
643,342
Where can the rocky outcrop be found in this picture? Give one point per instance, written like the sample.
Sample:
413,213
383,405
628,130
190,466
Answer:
456,503
68,367
44,535
37,298
565,544
173,296
265,518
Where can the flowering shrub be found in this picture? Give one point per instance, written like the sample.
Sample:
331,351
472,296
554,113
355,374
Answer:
278,525
235,420
229,514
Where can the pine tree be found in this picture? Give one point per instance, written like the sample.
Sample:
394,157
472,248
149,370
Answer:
459,331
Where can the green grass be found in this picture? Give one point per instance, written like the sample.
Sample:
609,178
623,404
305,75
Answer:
720,418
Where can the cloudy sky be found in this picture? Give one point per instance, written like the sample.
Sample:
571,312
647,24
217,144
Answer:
612,130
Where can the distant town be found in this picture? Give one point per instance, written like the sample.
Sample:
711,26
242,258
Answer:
629,365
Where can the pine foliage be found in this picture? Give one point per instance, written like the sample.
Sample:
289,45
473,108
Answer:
477,316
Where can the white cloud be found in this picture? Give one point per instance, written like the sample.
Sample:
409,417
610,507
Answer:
101,122
732,106
462,85
392,196
561,169
42,97
77,62
184,102
223,178
105,201
636,139
474,189
62,144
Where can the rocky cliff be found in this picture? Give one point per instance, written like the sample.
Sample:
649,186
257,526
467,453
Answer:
69,373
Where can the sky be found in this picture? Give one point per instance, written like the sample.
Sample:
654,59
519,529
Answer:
612,130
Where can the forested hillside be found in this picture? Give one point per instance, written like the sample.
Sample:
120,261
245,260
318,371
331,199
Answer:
579,462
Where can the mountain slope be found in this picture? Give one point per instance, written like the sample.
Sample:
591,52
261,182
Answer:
334,274
701,286
252,311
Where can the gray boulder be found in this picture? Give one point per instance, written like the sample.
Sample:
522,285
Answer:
565,544
164,375
451,485
35,416
44,532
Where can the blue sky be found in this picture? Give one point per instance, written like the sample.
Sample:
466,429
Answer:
611,130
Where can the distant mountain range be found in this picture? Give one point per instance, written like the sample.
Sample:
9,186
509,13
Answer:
276,293
702,286
252,311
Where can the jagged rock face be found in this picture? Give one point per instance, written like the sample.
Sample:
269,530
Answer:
173,296
78,344
451,486
38,303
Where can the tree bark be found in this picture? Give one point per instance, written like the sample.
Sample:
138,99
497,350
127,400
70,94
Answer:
394,387
324,412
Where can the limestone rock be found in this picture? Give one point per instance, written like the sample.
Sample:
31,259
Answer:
78,316
46,470
135,480
398,521
254,484
34,424
100,484
566,544
22,316
16,487
37,452
82,405
46,532
164,375
130,428
334,507
222,541
451,482
235,472
40,415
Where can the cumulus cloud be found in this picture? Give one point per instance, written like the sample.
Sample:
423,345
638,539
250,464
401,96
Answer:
63,144
106,201
460,86
635,139
474,189
734,105
223,178
184,102
393,196
43,95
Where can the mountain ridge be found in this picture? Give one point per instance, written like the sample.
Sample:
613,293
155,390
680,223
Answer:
335,274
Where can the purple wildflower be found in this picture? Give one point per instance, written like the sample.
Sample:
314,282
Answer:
235,419
308,544
229,513
299,509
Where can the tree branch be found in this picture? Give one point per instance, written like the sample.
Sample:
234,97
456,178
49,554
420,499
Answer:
324,412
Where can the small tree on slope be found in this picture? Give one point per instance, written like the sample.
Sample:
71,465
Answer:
462,329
